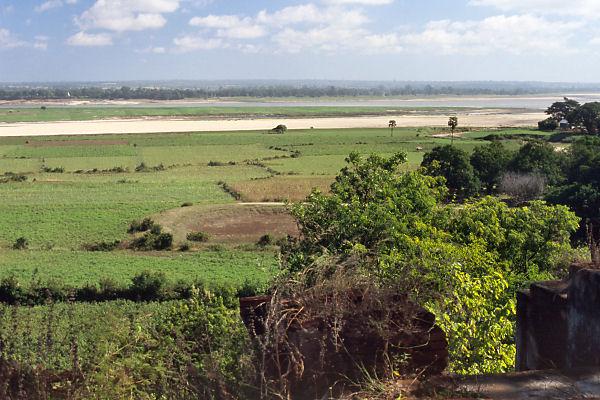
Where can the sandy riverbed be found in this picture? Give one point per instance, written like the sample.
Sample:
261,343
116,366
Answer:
163,125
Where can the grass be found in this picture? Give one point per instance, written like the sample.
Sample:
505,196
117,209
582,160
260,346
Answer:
93,113
60,212
79,268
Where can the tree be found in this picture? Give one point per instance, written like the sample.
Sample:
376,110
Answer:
490,162
453,123
541,158
279,129
463,263
454,165
581,191
548,124
392,125
563,110
588,116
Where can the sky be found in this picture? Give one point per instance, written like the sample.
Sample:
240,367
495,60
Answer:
116,40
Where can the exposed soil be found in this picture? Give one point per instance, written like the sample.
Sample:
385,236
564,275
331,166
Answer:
230,224
164,125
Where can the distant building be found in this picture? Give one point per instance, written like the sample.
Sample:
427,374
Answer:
564,124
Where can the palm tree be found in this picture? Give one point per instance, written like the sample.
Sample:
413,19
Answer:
453,123
392,125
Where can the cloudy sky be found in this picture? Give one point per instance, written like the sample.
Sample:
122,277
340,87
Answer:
66,40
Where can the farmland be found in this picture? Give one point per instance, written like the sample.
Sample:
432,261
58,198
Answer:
86,189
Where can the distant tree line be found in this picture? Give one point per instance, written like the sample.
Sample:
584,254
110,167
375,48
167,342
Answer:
166,93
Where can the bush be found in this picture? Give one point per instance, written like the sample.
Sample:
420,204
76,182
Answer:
187,204
548,125
148,285
279,129
12,177
198,236
523,187
102,246
21,244
56,170
142,167
184,247
265,240
153,241
155,229
140,226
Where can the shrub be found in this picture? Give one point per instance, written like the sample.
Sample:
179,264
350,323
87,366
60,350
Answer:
523,187
142,167
279,129
187,204
102,246
548,125
265,240
148,285
153,241
198,236
21,244
155,229
184,247
12,177
216,164
56,170
140,226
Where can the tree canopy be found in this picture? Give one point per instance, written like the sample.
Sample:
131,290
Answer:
462,262
454,165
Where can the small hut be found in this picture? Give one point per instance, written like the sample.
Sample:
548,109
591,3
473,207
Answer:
564,125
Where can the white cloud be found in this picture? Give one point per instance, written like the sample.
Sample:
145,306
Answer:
589,9
361,2
50,4
152,50
184,44
9,41
41,42
230,26
517,34
127,15
90,40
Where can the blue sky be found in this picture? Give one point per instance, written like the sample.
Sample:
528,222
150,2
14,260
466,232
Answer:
86,40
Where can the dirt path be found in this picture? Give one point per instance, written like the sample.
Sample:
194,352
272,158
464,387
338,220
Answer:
470,119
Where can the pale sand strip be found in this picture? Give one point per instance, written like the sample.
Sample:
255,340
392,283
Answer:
165,125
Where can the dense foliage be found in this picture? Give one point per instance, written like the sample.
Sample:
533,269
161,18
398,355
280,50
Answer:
453,164
464,263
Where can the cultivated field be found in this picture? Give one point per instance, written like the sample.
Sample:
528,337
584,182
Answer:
81,190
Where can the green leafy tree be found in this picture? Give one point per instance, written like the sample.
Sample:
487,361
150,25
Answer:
489,162
454,165
548,125
464,262
541,158
587,116
581,191
563,110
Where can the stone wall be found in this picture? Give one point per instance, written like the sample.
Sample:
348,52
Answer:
558,322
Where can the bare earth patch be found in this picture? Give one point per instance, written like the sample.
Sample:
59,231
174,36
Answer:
164,125
230,224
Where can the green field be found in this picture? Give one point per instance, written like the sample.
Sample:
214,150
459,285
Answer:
60,212
91,113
